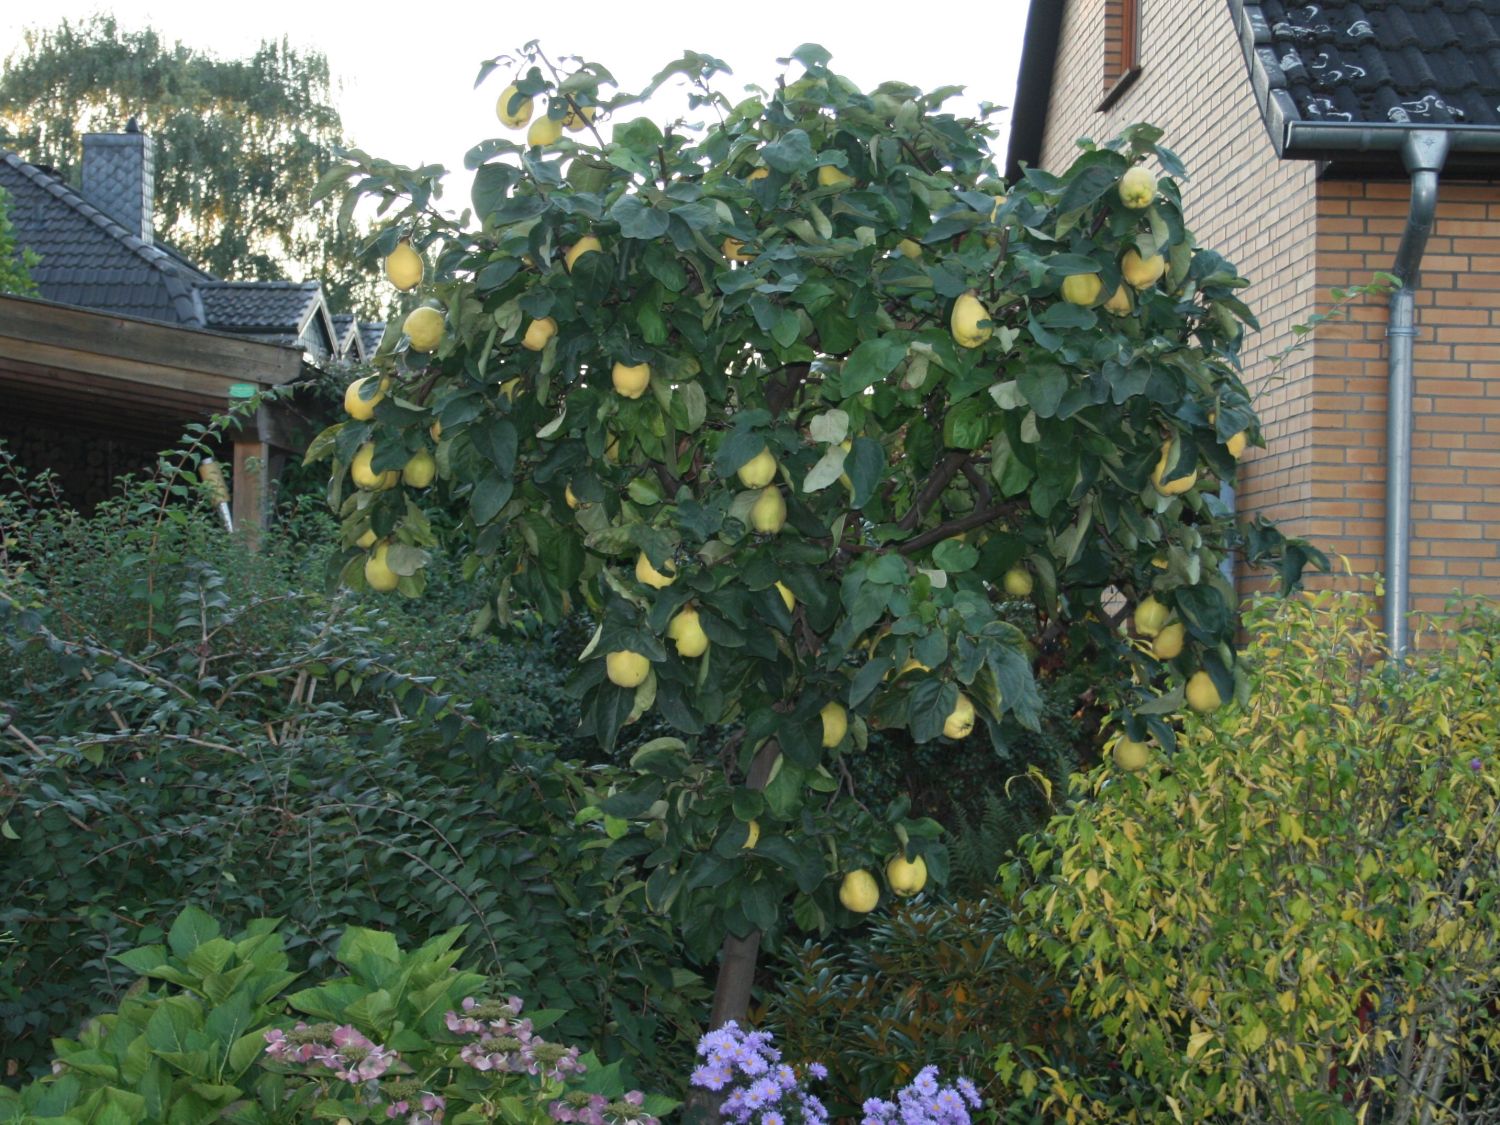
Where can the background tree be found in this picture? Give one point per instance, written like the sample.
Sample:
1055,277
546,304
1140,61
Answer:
240,144
801,407
15,273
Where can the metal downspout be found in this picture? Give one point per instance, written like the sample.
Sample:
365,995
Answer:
1423,152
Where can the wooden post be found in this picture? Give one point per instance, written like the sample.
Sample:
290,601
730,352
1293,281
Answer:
252,487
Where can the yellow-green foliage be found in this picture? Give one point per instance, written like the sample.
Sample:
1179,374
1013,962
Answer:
1296,917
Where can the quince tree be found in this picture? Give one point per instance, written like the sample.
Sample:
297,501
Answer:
810,381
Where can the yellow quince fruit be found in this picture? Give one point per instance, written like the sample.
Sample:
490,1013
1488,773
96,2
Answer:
424,328
626,669
1137,188
965,322
759,471
648,575
513,114
631,380
538,332
835,723
960,721
687,631
768,514
378,573
403,266
1081,288
1142,273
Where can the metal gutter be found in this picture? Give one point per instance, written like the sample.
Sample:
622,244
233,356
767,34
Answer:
1423,151
1310,139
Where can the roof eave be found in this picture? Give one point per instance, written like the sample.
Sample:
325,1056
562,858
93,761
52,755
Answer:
1028,117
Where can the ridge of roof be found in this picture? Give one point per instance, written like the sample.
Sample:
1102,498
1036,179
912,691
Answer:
182,292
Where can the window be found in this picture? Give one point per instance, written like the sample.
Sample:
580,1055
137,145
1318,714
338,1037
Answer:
1122,47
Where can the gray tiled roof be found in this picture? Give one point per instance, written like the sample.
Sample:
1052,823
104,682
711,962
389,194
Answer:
87,258
351,345
262,306
372,331
90,260
287,312
1401,62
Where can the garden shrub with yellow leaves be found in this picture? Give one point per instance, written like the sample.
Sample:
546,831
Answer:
1296,917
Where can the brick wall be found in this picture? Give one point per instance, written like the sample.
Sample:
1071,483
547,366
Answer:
1456,438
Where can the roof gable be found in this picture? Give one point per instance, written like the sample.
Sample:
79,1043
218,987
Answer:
88,259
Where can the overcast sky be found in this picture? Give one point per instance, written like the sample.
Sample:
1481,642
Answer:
406,74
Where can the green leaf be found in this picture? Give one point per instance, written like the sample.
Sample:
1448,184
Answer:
791,153
871,362
967,425
1204,611
954,556
173,1024
637,219
1042,385
1017,685
495,439
931,702
865,467
1100,171
191,929
490,496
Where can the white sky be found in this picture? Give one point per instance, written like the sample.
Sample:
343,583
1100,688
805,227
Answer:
406,73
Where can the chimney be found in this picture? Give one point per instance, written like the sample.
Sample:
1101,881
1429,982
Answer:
119,171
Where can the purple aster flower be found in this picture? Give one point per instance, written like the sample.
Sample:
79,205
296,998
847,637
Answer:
817,1070
971,1095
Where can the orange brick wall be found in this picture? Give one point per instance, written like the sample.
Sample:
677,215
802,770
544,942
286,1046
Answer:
1456,438
1257,210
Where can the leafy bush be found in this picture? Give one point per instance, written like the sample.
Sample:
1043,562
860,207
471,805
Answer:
184,721
207,1034
930,983
1297,916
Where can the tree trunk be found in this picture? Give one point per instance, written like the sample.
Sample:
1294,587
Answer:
737,958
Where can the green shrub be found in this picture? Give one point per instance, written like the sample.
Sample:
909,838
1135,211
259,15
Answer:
185,721
930,982
1297,916
208,1033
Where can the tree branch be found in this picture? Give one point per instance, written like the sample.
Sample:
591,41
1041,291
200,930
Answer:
977,518
980,485
781,389
945,471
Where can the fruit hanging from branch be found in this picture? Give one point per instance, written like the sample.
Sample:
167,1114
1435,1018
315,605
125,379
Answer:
801,491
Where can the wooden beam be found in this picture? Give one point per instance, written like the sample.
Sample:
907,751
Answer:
251,489
147,342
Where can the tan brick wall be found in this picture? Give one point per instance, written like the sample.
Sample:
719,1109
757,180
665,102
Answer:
1456,438
1257,210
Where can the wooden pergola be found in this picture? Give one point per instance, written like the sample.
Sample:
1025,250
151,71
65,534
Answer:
146,381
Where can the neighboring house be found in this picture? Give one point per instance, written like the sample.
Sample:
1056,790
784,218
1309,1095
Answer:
1306,129
128,341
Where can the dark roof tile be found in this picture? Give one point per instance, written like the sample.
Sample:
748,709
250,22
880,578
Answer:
1418,62
89,260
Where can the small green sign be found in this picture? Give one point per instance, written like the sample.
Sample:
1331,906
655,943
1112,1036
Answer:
243,390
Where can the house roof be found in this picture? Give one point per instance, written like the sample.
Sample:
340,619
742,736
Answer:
1383,67
1334,80
88,260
